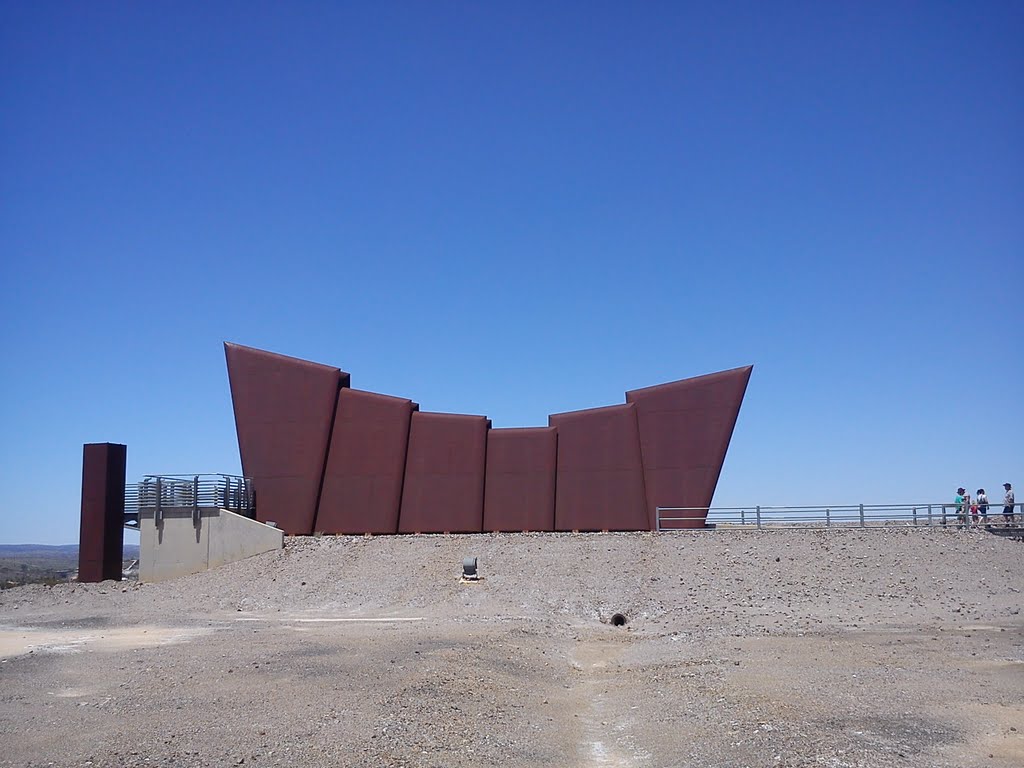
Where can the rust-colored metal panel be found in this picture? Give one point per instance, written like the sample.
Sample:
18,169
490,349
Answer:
600,483
101,536
283,412
362,488
685,429
444,474
519,494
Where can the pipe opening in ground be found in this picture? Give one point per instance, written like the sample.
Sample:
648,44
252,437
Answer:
618,620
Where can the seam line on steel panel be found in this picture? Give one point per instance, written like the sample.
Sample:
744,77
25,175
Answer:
643,465
483,478
405,468
327,453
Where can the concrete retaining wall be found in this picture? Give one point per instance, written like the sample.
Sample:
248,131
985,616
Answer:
177,547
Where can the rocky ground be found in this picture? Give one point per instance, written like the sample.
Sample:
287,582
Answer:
897,647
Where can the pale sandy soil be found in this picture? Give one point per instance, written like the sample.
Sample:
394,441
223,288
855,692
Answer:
841,648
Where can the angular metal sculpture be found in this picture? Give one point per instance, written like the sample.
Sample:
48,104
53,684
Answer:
685,429
324,457
362,489
283,413
444,474
600,474
519,491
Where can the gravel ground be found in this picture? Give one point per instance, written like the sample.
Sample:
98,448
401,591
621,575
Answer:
895,647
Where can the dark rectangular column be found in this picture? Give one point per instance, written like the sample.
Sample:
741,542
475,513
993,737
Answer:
101,536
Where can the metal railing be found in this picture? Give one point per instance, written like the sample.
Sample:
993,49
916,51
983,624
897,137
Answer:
158,492
834,516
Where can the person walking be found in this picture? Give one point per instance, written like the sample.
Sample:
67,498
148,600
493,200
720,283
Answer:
1008,505
958,500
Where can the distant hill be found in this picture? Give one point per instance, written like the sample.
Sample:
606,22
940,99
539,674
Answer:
46,563
131,551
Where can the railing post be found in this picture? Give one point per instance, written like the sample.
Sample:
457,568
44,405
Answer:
929,515
657,518
759,517
195,502
743,517
158,515
943,515
915,517
861,515
828,517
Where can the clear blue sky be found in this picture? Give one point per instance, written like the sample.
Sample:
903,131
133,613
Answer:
517,209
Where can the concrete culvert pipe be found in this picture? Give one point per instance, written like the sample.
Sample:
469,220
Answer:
618,620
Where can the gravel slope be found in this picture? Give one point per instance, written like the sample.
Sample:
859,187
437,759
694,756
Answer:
838,648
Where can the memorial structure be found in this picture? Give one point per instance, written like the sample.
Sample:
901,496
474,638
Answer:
326,458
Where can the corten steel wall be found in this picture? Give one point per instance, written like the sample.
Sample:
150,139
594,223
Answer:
685,429
600,483
283,412
101,535
362,488
519,492
328,458
444,474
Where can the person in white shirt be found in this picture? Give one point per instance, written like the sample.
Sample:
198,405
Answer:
1008,504
982,501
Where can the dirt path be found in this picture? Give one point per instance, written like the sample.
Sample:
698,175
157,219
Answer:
606,728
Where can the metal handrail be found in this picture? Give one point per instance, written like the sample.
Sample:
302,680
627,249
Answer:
834,516
197,491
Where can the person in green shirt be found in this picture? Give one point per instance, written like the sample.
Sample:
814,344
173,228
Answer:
958,500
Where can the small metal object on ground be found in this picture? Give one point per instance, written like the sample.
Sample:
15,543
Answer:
469,569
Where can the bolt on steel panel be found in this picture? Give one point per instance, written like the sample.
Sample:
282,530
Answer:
444,474
362,488
685,429
600,479
519,492
283,413
101,535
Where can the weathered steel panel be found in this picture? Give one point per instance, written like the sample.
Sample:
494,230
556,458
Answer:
444,474
283,413
519,493
362,489
685,429
665,447
600,482
101,535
